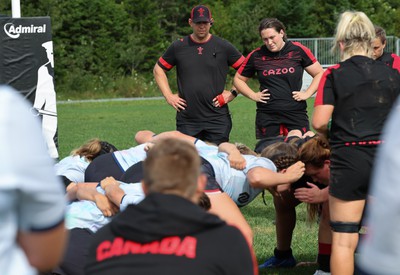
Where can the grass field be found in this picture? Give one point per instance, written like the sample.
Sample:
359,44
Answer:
118,121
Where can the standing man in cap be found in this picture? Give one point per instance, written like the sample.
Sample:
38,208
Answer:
202,63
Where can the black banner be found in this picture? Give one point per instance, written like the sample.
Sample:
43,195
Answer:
27,64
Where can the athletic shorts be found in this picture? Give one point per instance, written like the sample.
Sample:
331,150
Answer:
103,166
216,130
280,123
351,171
212,185
133,174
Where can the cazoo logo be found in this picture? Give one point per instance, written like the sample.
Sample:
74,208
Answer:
15,31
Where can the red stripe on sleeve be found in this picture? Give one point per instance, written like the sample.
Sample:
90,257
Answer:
164,63
238,62
246,60
396,62
307,51
320,91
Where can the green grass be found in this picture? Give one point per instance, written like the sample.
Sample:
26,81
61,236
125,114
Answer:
118,121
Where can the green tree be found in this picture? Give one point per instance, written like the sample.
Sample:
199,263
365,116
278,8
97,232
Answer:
104,41
91,37
145,35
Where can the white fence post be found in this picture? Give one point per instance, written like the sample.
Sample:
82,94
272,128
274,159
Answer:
16,8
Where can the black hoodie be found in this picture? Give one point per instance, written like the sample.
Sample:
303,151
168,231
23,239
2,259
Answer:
169,235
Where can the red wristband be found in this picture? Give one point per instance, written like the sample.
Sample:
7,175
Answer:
221,100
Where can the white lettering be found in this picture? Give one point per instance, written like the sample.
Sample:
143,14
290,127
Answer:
14,32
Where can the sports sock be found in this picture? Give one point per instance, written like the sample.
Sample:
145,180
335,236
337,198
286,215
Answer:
283,254
324,256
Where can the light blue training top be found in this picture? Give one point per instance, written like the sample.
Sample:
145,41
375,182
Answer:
31,196
85,214
234,182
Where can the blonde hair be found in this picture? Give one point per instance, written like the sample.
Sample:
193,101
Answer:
355,32
93,148
313,212
172,166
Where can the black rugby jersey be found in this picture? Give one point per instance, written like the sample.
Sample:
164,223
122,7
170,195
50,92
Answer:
201,69
279,72
362,92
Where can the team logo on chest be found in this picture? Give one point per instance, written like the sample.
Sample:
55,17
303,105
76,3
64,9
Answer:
200,50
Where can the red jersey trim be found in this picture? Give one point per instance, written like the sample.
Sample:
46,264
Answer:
320,91
246,60
165,63
239,62
396,62
307,51
364,143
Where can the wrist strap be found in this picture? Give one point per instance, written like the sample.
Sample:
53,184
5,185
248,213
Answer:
234,92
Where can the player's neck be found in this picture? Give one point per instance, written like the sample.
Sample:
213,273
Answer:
200,39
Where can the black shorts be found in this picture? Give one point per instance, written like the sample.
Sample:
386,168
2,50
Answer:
351,171
212,185
216,130
280,123
103,166
133,174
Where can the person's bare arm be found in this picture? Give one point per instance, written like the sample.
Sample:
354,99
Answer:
316,71
173,134
235,158
312,194
162,81
227,97
321,116
226,209
44,249
87,191
73,187
240,83
144,136
115,194
260,177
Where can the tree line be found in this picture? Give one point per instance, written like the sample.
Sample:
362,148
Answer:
99,44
